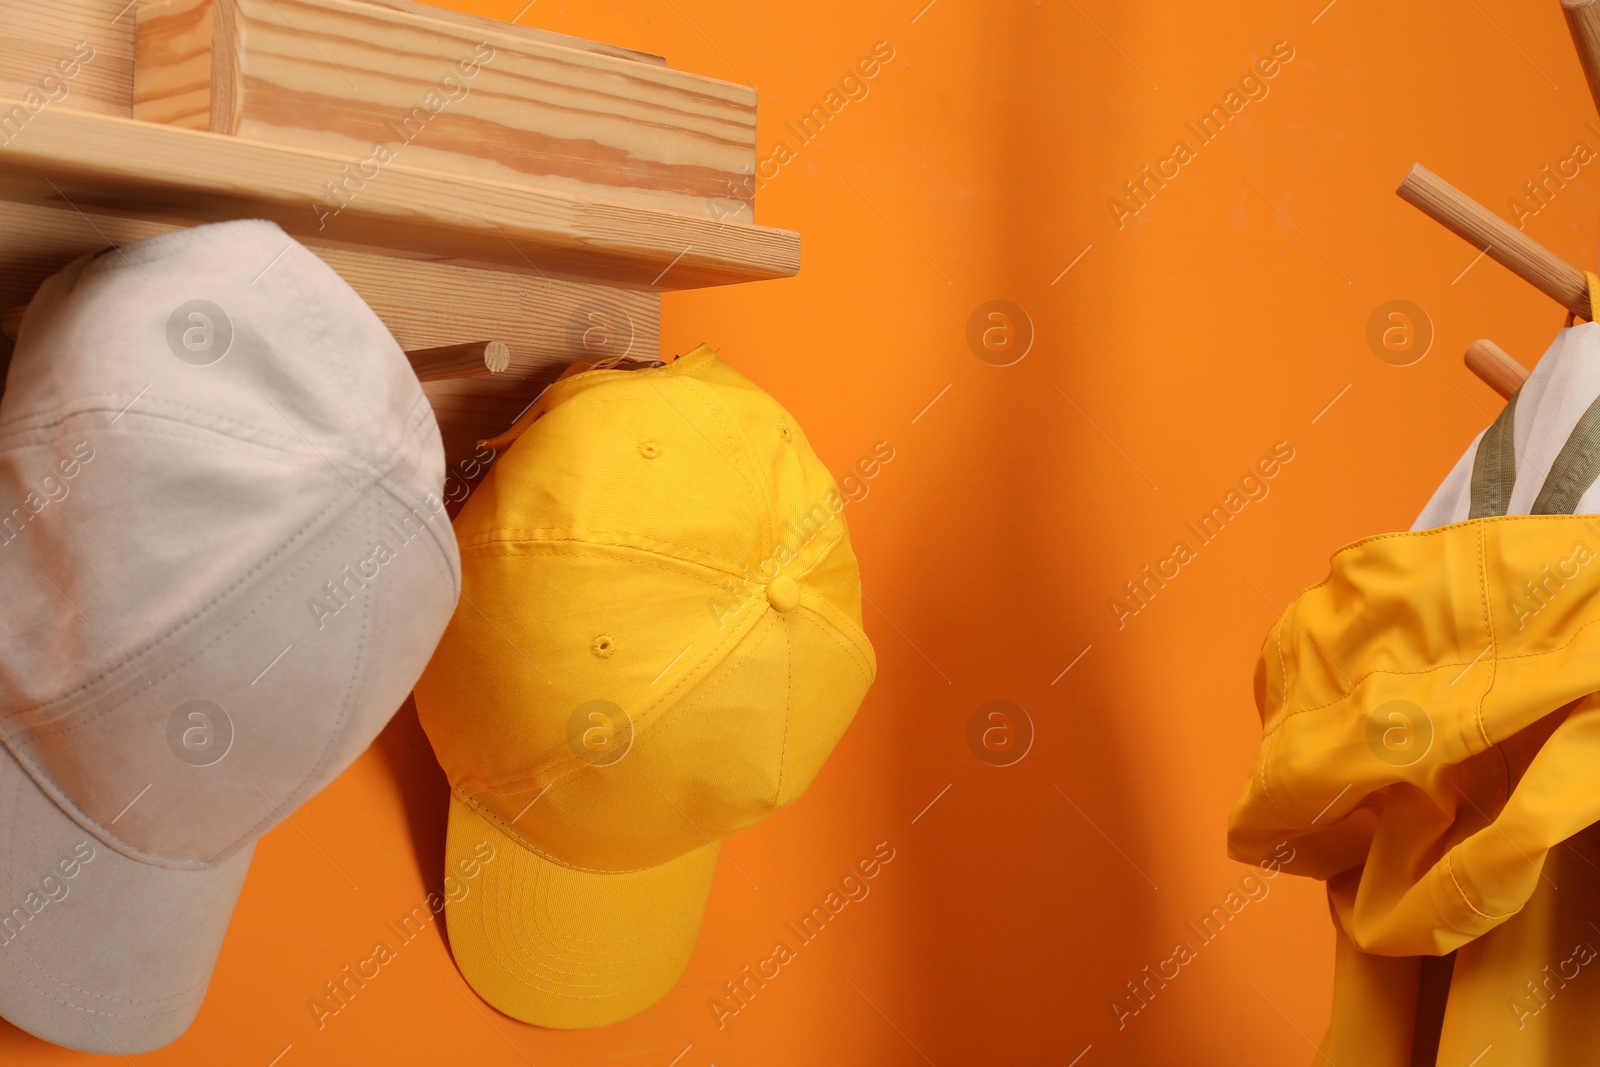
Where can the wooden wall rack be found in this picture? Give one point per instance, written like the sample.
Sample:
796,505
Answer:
588,204
1504,243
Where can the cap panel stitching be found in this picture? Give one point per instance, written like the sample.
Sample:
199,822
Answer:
763,496
68,724
486,545
788,708
669,703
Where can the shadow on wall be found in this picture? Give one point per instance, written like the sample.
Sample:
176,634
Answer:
1055,893
19,1046
404,751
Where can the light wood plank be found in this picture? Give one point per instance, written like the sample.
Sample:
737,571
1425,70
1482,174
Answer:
429,305
465,96
470,410
165,173
527,32
545,325
173,78
471,360
39,35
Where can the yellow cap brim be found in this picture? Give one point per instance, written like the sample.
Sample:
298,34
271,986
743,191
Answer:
563,948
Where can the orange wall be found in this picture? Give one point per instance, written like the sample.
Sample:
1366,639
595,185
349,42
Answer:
1219,320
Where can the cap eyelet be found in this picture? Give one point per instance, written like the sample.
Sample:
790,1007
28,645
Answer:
784,431
603,646
649,449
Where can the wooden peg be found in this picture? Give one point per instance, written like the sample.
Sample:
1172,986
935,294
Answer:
1501,241
1496,367
460,361
431,364
1583,22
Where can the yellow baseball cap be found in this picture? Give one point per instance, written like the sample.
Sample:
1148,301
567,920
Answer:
658,642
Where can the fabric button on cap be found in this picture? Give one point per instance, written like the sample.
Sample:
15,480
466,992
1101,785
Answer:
590,898
783,593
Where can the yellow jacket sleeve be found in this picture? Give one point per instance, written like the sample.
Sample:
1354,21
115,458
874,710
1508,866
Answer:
1428,733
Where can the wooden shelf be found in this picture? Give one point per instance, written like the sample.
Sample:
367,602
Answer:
110,165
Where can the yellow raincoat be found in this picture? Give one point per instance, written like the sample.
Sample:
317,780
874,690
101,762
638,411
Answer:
1431,748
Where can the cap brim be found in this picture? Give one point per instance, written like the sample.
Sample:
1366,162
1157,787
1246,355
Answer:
562,948
99,952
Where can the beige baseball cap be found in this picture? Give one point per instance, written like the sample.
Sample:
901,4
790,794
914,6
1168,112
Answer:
225,561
